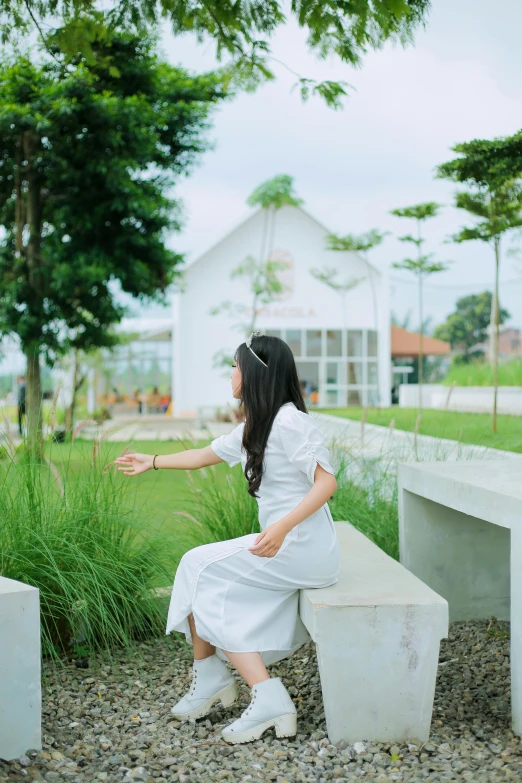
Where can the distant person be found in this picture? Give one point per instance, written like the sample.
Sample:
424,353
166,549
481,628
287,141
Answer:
21,403
394,396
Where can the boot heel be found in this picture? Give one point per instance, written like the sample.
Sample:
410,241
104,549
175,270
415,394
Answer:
286,725
228,695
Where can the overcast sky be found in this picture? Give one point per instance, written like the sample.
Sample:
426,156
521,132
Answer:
461,80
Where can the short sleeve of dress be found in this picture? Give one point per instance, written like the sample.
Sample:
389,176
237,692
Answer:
303,442
228,446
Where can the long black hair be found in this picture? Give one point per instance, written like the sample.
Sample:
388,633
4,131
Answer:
263,391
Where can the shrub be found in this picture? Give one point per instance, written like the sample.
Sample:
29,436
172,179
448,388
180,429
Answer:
80,537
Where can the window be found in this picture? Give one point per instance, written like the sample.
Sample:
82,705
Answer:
334,342
332,372
308,373
354,373
273,332
372,373
313,342
293,338
331,397
354,398
372,343
355,342
373,397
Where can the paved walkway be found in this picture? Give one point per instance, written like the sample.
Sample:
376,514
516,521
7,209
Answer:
373,441
139,428
363,444
156,427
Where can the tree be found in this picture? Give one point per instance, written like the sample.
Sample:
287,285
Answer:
328,276
86,159
420,266
498,215
264,283
492,169
467,327
361,244
404,323
264,287
271,195
241,31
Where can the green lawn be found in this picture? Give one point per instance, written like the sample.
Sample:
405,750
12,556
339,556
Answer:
161,492
472,428
481,374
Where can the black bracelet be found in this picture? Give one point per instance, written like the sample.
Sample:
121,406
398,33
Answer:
153,462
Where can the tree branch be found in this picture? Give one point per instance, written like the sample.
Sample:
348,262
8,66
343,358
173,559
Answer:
40,31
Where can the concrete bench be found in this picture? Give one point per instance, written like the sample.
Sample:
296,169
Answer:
377,632
20,683
460,528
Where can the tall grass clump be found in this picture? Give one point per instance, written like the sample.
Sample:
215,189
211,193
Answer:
366,496
80,537
218,510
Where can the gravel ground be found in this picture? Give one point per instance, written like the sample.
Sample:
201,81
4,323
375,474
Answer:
112,722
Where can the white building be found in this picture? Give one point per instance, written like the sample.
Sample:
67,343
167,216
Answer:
342,350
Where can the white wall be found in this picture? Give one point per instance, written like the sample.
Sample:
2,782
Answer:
198,335
478,399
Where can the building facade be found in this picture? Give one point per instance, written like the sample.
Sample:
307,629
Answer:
340,339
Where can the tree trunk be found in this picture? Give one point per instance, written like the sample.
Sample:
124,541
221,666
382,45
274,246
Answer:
421,341
492,322
421,330
19,201
495,335
34,401
270,248
77,380
32,351
264,236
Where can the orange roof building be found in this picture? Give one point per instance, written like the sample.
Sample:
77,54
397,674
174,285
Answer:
405,345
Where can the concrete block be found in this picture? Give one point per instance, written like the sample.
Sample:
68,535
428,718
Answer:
378,633
20,669
460,531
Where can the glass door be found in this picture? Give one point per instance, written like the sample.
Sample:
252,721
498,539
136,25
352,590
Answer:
332,393
308,373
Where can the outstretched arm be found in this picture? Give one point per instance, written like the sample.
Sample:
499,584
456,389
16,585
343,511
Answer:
133,464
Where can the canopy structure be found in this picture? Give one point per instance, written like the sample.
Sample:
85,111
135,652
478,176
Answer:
405,345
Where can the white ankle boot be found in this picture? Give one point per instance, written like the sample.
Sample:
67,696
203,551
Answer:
211,682
271,705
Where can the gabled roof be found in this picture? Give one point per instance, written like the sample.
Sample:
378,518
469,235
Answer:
406,344
243,221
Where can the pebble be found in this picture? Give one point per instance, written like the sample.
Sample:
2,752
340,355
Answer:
115,725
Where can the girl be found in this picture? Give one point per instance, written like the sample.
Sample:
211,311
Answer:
238,599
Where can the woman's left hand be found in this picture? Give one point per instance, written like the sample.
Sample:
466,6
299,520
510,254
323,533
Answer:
269,541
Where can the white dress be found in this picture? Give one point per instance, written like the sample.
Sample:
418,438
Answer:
245,603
